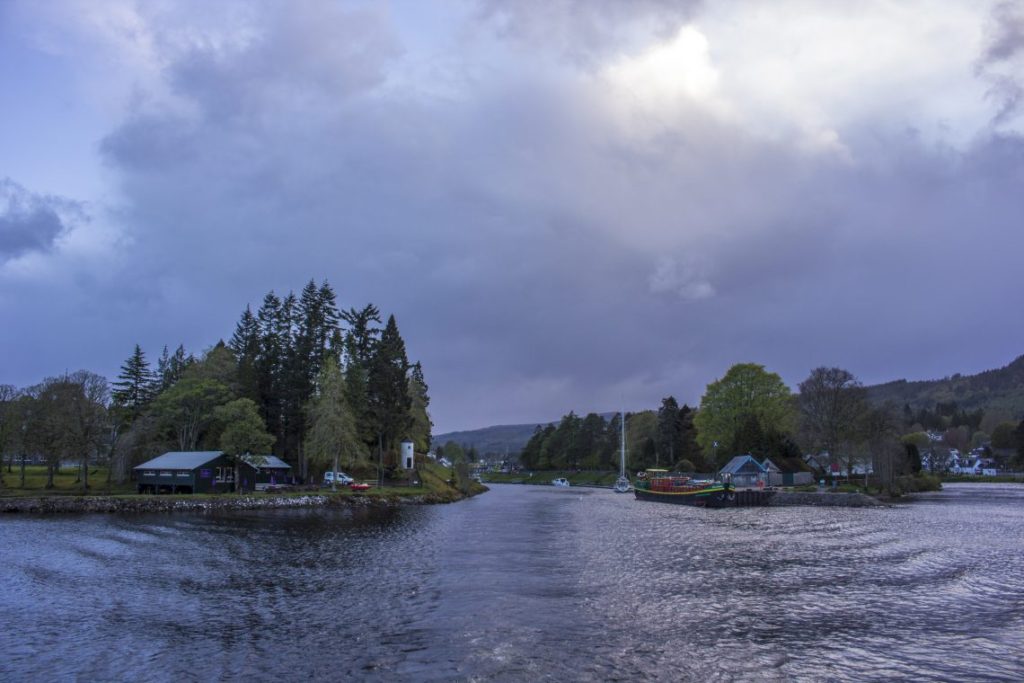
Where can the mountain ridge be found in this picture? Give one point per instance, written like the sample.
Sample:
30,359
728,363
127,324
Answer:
999,392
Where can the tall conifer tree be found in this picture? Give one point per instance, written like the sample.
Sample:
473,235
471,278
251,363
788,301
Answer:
245,344
135,387
388,387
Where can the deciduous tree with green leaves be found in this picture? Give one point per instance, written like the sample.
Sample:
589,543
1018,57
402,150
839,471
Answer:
187,408
746,389
244,433
331,431
832,407
9,426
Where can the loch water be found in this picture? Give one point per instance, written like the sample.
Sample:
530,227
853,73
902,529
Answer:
522,584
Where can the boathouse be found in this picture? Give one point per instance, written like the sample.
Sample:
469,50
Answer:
257,472
186,472
745,472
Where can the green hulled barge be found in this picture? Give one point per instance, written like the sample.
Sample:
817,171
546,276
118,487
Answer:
662,487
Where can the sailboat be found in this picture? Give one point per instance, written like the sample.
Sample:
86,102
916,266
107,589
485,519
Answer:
622,483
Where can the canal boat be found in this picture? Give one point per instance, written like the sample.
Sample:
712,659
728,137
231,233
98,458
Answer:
664,487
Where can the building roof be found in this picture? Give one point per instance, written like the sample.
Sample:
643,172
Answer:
268,461
741,464
180,460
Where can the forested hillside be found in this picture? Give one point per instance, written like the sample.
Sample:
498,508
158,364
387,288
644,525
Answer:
999,393
494,440
497,439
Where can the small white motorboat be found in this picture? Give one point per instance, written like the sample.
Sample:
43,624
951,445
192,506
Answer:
561,482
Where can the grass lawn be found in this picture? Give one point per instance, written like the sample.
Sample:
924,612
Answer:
65,481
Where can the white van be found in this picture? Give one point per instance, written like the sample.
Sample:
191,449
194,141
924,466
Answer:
340,478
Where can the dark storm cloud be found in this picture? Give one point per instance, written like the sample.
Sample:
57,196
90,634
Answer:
1007,34
30,222
1003,59
542,251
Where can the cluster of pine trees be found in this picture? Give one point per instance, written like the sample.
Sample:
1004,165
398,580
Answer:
946,415
299,378
662,438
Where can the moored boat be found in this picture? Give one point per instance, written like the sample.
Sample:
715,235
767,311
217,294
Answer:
663,487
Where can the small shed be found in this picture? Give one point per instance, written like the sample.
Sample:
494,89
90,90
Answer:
186,472
257,472
744,471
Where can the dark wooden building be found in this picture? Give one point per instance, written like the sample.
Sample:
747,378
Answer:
257,472
186,472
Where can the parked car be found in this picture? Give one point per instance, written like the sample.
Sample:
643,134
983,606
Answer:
339,478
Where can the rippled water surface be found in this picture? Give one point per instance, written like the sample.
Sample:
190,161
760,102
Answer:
522,583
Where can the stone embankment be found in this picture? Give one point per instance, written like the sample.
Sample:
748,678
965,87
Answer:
848,500
77,504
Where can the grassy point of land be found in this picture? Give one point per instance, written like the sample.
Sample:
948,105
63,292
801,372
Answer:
437,481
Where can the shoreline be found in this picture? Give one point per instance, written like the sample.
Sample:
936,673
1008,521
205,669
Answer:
816,499
781,498
134,504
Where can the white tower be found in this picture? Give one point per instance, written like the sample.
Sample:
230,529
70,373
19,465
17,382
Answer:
408,460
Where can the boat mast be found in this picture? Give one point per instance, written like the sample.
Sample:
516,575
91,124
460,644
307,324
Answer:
622,456
622,485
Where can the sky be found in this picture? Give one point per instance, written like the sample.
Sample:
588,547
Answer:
567,204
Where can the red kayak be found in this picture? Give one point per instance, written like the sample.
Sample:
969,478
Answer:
358,487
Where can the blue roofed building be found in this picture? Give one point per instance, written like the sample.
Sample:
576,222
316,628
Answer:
744,472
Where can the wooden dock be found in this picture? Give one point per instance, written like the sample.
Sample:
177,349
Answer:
751,497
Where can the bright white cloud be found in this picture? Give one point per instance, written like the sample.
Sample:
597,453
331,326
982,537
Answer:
813,74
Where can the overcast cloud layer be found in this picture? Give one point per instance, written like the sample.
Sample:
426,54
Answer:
568,205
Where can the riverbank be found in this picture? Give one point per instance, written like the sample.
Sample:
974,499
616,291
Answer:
212,503
436,485
824,499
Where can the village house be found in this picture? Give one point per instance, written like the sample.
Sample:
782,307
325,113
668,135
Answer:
744,472
259,472
186,472
209,472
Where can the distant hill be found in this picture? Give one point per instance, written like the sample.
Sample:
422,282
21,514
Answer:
495,439
997,392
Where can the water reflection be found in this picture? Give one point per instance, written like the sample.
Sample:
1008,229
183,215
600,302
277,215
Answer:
523,584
